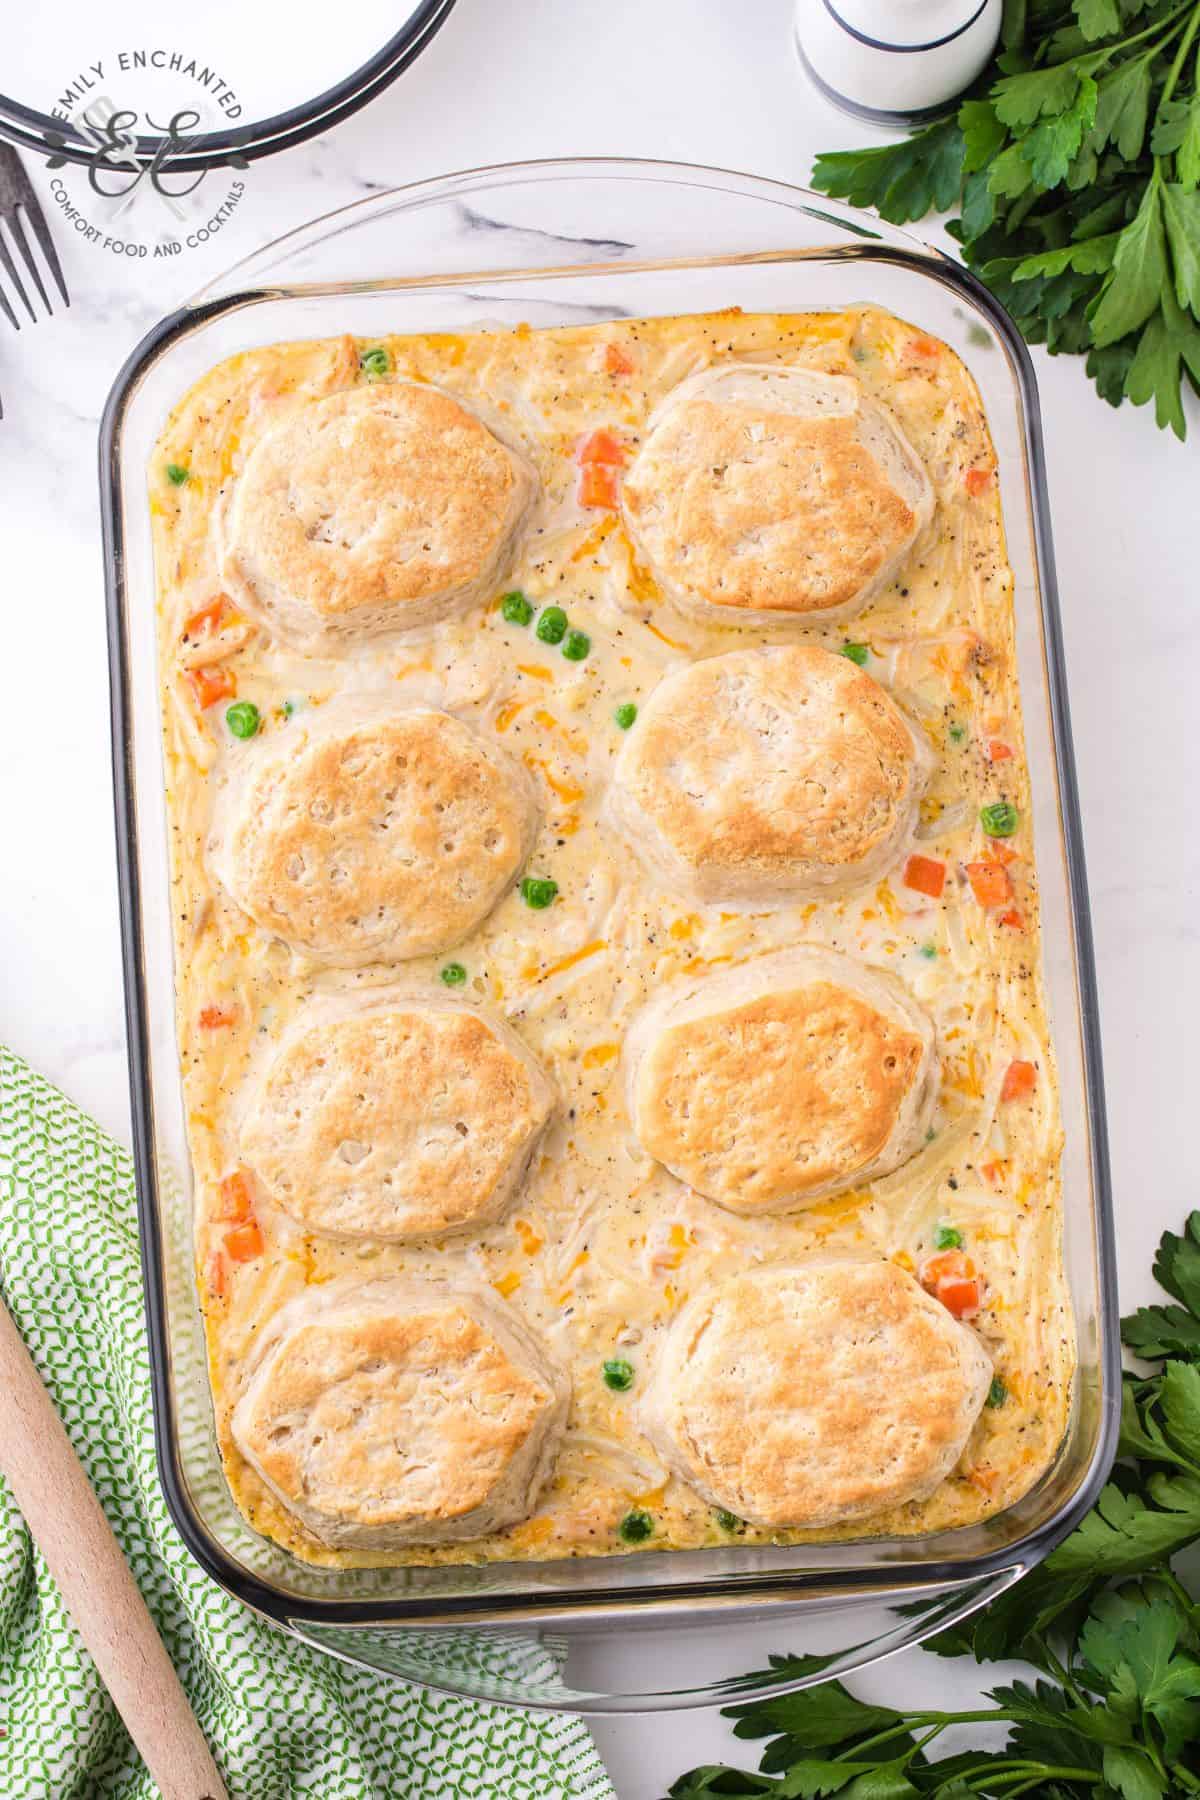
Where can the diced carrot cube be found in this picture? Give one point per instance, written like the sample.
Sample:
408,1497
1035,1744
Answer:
598,485
961,1296
976,480
1020,1079
1000,852
602,447
211,684
992,1172
924,346
212,1018
235,1203
946,1265
990,881
925,875
245,1242
950,1277
1014,919
207,618
998,751
616,361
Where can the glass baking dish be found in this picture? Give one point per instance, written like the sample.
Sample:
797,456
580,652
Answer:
550,243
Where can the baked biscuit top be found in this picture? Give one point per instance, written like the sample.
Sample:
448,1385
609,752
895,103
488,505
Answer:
370,511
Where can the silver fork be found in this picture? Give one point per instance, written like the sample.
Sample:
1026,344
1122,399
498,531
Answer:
16,198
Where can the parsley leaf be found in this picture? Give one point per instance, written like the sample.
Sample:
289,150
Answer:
1155,1331
1020,100
1180,1396
1124,1535
1136,1647
901,181
1098,18
983,134
1092,257
1169,344
1132,1775
1177,132
817,1717
1051,145
1138,273
1049,1727
1123,108
1109,368
1177,1265
1084,129
1181,214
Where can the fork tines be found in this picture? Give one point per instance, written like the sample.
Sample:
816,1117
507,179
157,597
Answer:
17,198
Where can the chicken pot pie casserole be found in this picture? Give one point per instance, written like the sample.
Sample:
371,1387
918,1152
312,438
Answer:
620,1099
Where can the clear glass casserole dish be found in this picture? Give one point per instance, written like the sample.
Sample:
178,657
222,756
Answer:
552,243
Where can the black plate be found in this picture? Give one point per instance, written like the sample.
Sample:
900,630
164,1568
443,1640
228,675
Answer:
41,132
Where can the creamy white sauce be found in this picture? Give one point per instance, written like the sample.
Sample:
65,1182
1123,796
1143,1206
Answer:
602,1246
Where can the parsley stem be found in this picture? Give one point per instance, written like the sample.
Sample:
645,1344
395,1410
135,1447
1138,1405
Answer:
1137,37
934,1723
1032,1783
1167,1578
909,1723
1185,44
1021,1771
1062,1675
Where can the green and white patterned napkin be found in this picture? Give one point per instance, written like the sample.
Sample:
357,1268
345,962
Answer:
283,1720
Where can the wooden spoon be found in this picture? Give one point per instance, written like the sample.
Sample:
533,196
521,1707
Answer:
65,1517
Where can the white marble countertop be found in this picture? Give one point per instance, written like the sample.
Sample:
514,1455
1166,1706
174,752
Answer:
697,80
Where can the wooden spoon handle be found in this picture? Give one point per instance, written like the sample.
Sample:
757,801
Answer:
65,1517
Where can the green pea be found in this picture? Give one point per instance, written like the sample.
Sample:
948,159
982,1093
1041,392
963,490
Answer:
577,646
551,627
1000,819
454,975
929,951
375,363
625,714
946,1237
287,709
243,718
729,1521
538,891
516,608
998,1392
177,474
618,1374
635,1528
957,733
857,653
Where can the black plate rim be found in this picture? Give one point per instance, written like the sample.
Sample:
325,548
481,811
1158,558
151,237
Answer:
33,130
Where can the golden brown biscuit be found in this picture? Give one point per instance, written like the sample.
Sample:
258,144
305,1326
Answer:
363,835
783,1080
764,776
814,1394
765,493
396,1117
379,509
397,1412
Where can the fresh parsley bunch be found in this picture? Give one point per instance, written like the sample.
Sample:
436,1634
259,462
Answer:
1074,167
1108,1625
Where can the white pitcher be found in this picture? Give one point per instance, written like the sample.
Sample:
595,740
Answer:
895,60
